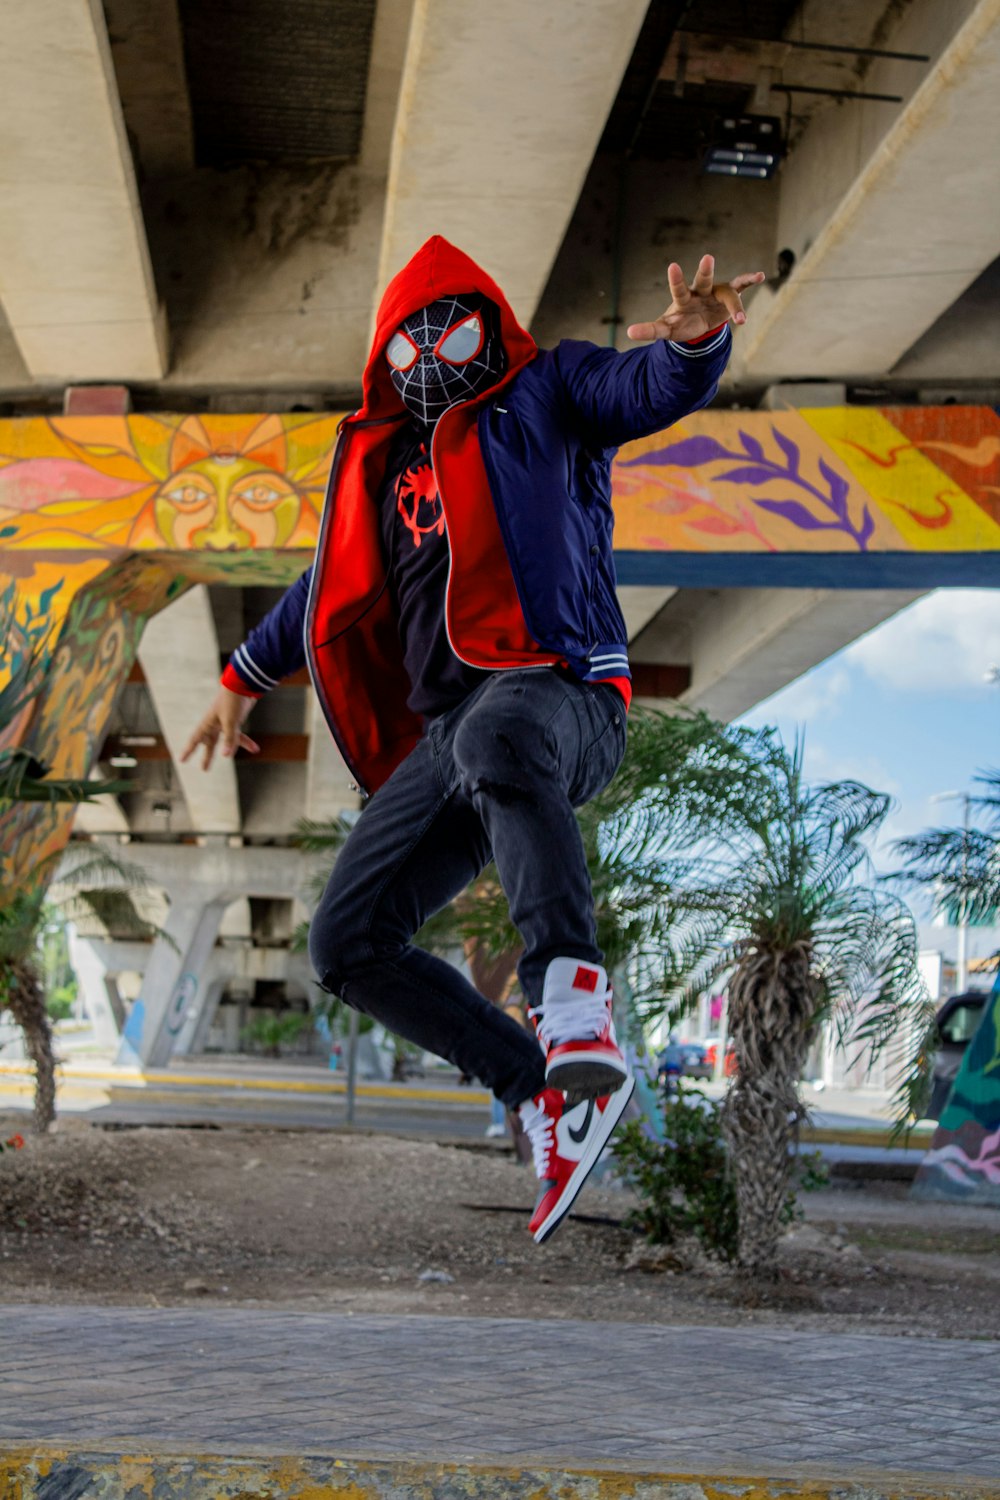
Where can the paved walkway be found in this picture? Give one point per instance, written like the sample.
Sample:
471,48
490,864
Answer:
466,1389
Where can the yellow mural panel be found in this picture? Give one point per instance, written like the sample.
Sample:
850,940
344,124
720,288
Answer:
929,509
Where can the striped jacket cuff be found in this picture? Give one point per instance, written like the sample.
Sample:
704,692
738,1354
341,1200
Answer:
709,343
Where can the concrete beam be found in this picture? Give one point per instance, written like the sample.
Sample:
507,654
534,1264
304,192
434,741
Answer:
743,645
215,870
330,787
390,37
500,112
147,46
75,275
889,259
179,654
641,605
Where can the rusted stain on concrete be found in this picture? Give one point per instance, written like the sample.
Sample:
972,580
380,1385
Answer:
66,1474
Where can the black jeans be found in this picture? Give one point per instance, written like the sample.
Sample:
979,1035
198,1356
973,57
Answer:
497,776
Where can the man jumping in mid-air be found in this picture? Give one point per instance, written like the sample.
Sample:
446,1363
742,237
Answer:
463,633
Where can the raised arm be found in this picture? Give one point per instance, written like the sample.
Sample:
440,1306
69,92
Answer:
620,396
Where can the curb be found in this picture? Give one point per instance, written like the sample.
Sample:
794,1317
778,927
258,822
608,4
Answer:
133,1078
61,1473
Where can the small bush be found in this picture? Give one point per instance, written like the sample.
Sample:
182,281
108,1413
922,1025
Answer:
273,1032
685,1184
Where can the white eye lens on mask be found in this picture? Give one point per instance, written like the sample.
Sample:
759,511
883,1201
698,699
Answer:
461,343
402,351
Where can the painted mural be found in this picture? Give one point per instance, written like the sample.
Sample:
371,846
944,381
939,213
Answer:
964,1159
834,480
104,519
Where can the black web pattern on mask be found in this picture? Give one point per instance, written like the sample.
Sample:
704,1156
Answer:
430,386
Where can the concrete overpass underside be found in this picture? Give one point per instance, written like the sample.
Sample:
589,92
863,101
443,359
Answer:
199,219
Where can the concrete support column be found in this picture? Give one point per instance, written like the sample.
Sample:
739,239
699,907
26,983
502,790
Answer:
174,984
198,1022
100,993
75,273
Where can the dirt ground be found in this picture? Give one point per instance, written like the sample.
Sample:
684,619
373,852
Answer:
361,1223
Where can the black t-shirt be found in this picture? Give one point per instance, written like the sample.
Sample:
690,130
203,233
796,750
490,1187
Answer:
415,541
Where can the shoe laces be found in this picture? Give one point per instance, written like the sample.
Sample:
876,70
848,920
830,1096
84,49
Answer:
571,1018
538,1127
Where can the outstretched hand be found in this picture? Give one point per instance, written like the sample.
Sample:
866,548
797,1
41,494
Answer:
700,307
224,721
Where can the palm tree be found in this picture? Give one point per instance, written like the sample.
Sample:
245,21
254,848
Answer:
95,883
761,883
961,866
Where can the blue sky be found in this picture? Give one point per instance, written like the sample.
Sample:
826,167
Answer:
906,710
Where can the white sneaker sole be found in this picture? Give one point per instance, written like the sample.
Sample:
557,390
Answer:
587,1162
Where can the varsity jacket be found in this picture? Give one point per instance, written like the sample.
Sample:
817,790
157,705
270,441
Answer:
524,478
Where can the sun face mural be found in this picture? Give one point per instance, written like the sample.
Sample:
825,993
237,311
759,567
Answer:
179,483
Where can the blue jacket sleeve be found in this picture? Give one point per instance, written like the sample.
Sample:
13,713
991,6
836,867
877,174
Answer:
621,396
275,648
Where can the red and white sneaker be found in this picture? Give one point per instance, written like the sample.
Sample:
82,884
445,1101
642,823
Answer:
566,1141
574,1026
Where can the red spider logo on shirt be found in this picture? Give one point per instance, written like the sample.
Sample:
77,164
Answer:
418,501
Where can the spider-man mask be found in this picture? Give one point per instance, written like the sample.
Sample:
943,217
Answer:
446,353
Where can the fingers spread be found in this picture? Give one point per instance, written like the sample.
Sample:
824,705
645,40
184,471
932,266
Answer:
678,286
704,276
750,278
732,302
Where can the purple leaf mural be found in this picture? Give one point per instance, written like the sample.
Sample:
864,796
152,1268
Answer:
687,454
750,474
798,514
839,489
691,452
788,448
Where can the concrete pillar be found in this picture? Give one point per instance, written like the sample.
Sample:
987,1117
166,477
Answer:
500,111
330,787
198,1023
98,989
173,981
75,273
185,633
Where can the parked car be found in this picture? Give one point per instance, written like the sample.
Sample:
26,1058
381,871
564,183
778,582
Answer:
957,1023
682,1058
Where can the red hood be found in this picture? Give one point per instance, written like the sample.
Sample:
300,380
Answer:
439,269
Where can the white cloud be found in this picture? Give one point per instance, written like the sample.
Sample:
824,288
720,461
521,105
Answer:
817,695
943,642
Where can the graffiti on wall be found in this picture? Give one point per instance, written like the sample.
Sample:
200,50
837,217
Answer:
964,1159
